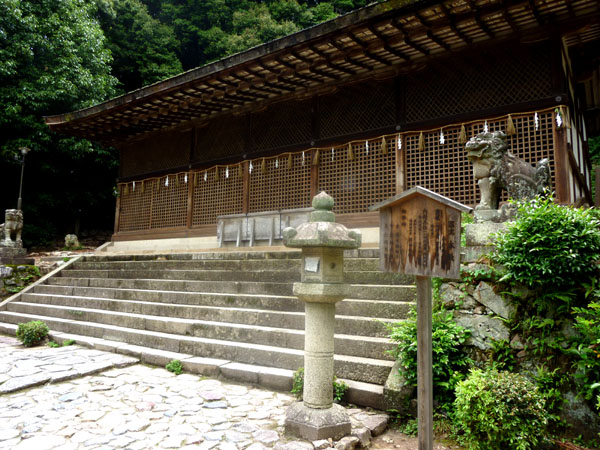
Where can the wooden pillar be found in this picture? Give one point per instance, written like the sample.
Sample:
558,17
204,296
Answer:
561,160
424,363
190,202
597,187
314,175
400,165
118,213
245,187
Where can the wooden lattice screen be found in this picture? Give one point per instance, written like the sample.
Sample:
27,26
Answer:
214,197
360,181
444,168
280,185
355,175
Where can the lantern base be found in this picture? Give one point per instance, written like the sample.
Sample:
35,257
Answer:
315,424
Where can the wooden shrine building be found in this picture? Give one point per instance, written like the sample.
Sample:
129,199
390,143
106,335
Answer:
364,107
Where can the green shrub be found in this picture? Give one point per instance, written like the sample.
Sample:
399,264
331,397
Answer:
53,344
339,387
586,347
32,333
499,410
450,363
175,367
549,245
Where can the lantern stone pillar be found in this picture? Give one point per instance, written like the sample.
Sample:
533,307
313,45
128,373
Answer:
323,243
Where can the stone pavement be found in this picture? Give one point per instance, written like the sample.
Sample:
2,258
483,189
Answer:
140,407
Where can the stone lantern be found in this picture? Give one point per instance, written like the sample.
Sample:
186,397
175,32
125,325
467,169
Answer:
323,243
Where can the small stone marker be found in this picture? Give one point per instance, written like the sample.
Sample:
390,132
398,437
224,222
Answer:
420,235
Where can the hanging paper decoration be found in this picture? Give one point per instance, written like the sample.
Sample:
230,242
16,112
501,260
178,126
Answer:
315,161
485,127
350,152
205,175
302,158
399,142
263,165
332,153
167,181
462,136
217,173
227,172
133,190
367,147
250,167
277,163
421,141
558,117
536,120
442,139
383,147
510,126
185,178
290,162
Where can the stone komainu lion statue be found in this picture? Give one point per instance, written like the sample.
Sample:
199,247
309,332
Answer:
12,226
496,168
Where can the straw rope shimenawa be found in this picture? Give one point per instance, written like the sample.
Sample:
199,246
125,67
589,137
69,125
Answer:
378,143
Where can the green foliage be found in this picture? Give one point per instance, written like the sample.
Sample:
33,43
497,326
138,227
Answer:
339,387
499,410
550,385
144,50
175,367
53,60
586,346
465,219
32,333
502,356
53,344
450,362
549,245
68,342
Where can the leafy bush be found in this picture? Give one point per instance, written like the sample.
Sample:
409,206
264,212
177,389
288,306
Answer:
499,410
586,347
32,333
450,363
549,245
339,387
175,367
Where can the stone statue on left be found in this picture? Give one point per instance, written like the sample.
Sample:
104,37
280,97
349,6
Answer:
12,226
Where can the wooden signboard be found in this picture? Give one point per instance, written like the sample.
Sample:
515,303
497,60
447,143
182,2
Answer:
420,235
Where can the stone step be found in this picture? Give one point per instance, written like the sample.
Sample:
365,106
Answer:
358,393
364,277
349,307
354,368
350,264
216,323
399,292
228,254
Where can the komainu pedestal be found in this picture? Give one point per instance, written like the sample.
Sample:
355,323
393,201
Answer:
11,245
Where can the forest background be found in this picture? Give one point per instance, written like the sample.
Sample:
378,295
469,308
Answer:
58,56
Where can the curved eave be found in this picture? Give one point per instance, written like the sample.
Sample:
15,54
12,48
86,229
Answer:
379,40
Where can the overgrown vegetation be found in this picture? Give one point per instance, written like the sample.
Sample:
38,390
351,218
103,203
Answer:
65,343
32,333
175,366
499,410
450,362
339,387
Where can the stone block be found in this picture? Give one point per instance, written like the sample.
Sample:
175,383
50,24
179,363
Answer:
453,297
397,392
243,373
485,295
205,366
484,329
347,443
481,234
276,379
314,424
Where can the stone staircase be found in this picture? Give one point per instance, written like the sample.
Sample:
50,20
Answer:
229,313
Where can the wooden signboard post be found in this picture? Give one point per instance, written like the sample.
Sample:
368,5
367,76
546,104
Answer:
420,235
